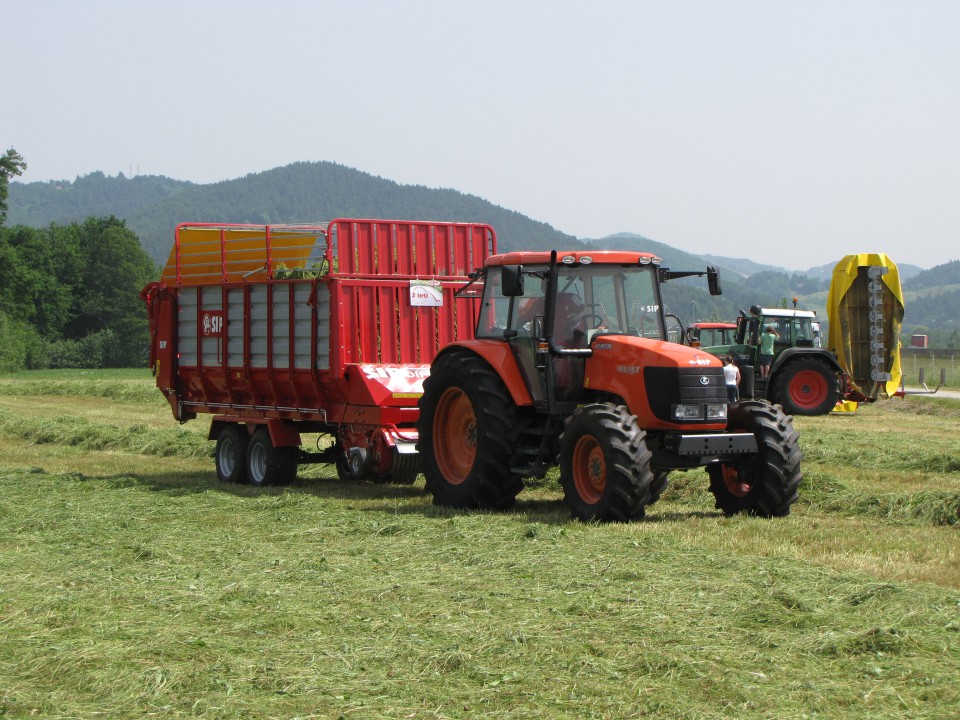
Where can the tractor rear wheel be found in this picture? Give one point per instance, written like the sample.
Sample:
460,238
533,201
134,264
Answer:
766,484
467,418
269,465
231,454
806,386
605,464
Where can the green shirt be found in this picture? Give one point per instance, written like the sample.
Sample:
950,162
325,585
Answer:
766,343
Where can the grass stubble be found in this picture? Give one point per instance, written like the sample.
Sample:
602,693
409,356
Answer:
134,584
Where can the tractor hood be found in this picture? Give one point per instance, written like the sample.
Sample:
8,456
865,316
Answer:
651,376
629,355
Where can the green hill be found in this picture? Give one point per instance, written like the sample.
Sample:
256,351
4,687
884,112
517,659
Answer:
940,276
298,193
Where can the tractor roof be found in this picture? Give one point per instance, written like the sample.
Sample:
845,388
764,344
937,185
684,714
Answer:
713,325
583,257
782,312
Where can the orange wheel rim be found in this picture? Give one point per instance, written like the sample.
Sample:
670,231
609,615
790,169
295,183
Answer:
735,481
589,469
455,435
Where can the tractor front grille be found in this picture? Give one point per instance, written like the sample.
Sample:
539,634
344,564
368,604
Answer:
667,387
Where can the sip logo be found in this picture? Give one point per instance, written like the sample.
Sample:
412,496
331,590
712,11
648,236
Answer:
211,322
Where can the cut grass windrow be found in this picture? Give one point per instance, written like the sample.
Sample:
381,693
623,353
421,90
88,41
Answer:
81,433
118,391
930,507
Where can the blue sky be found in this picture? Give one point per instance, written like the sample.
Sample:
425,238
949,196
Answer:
791,133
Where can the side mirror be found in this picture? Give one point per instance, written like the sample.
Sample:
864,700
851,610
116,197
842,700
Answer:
713,280
511,280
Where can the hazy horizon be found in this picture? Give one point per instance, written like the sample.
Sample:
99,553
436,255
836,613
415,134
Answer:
788,133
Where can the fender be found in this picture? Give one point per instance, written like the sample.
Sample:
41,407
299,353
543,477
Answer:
499,356
282,433
792,353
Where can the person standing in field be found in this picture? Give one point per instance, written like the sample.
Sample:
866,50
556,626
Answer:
767,340
731,375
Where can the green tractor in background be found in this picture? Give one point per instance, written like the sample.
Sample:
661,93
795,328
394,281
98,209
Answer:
804,377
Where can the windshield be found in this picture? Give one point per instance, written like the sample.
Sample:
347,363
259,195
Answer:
717,336
590,299
793,330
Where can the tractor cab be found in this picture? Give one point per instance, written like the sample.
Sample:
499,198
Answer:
795,328
552,311
709,334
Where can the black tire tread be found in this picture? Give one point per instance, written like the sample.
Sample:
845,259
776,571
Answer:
780,391
281,461
627,491
776,468
237,434
491,483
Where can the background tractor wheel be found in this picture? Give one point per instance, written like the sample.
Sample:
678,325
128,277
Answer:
765,484
467,418
605,464
806,386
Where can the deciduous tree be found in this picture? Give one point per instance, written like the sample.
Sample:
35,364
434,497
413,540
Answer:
10,164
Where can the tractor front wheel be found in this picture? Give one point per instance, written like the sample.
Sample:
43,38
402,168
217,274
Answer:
806,386
764,484
605,464
467,418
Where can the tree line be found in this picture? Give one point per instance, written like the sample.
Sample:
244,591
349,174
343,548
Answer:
69,294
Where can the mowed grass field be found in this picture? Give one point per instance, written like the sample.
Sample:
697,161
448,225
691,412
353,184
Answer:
133,584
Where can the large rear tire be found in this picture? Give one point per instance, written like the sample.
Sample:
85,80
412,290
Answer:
231,454
806,386
269,465
467,419
605,464
766,484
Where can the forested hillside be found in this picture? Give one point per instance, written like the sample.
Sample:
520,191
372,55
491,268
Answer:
941,276
298,193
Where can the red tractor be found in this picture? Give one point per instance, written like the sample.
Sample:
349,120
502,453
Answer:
570,366
705,334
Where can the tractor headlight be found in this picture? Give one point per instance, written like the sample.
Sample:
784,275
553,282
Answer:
687,412
717,412
711,411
